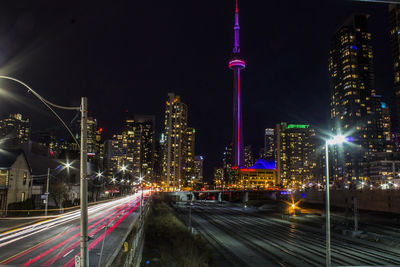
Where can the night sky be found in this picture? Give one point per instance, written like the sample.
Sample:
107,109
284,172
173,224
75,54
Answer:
129,54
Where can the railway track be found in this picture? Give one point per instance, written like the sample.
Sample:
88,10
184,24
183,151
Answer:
291,244
342,246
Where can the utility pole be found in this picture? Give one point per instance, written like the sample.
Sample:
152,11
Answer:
141,204
84,201
327,211
47,191
190,213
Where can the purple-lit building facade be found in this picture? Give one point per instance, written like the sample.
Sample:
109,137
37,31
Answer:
237,64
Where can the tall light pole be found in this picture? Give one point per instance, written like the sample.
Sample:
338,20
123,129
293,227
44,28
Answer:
336,140
83,150
84,189
47,191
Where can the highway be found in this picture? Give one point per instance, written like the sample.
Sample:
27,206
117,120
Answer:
248,238
56,241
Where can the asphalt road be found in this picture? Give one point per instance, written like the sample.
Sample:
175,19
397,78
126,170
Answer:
56,241
250,238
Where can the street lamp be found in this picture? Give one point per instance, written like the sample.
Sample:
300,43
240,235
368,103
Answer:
336,140
83,168
66,165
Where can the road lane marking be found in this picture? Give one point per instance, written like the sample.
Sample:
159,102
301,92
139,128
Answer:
68,253
23,226
1,262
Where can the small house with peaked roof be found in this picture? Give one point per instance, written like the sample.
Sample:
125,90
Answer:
15,177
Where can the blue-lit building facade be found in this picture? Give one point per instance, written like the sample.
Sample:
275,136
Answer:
262,175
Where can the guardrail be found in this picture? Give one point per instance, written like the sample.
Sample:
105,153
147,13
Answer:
131,245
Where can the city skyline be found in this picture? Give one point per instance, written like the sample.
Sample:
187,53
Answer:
120,146
284,73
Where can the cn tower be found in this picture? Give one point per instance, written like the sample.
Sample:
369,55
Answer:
237,64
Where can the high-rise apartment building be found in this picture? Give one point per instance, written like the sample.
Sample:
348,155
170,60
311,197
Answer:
269,145
227,164
147,126
108,159
14,130
387,126
295,147
219,178
189,156
158,160
355,107
133,149
394,21
198,168
175,125
132,144
93,140
248,157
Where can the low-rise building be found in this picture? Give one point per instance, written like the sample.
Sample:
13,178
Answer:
382,171
261,175
15,178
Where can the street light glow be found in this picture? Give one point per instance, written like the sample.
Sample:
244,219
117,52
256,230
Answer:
67,165
336,140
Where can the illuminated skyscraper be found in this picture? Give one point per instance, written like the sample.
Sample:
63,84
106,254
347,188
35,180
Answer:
248,157
14,130
146,124
189,150
295,148
173,151
227,160
93,140
198,169
237,64
133,148
394,20
108,161
355,107
268,152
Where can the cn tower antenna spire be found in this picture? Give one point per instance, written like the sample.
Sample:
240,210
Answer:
236,28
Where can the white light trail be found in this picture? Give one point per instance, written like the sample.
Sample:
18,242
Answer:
23,232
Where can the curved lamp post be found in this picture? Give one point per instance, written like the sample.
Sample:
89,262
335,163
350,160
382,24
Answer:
83,151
